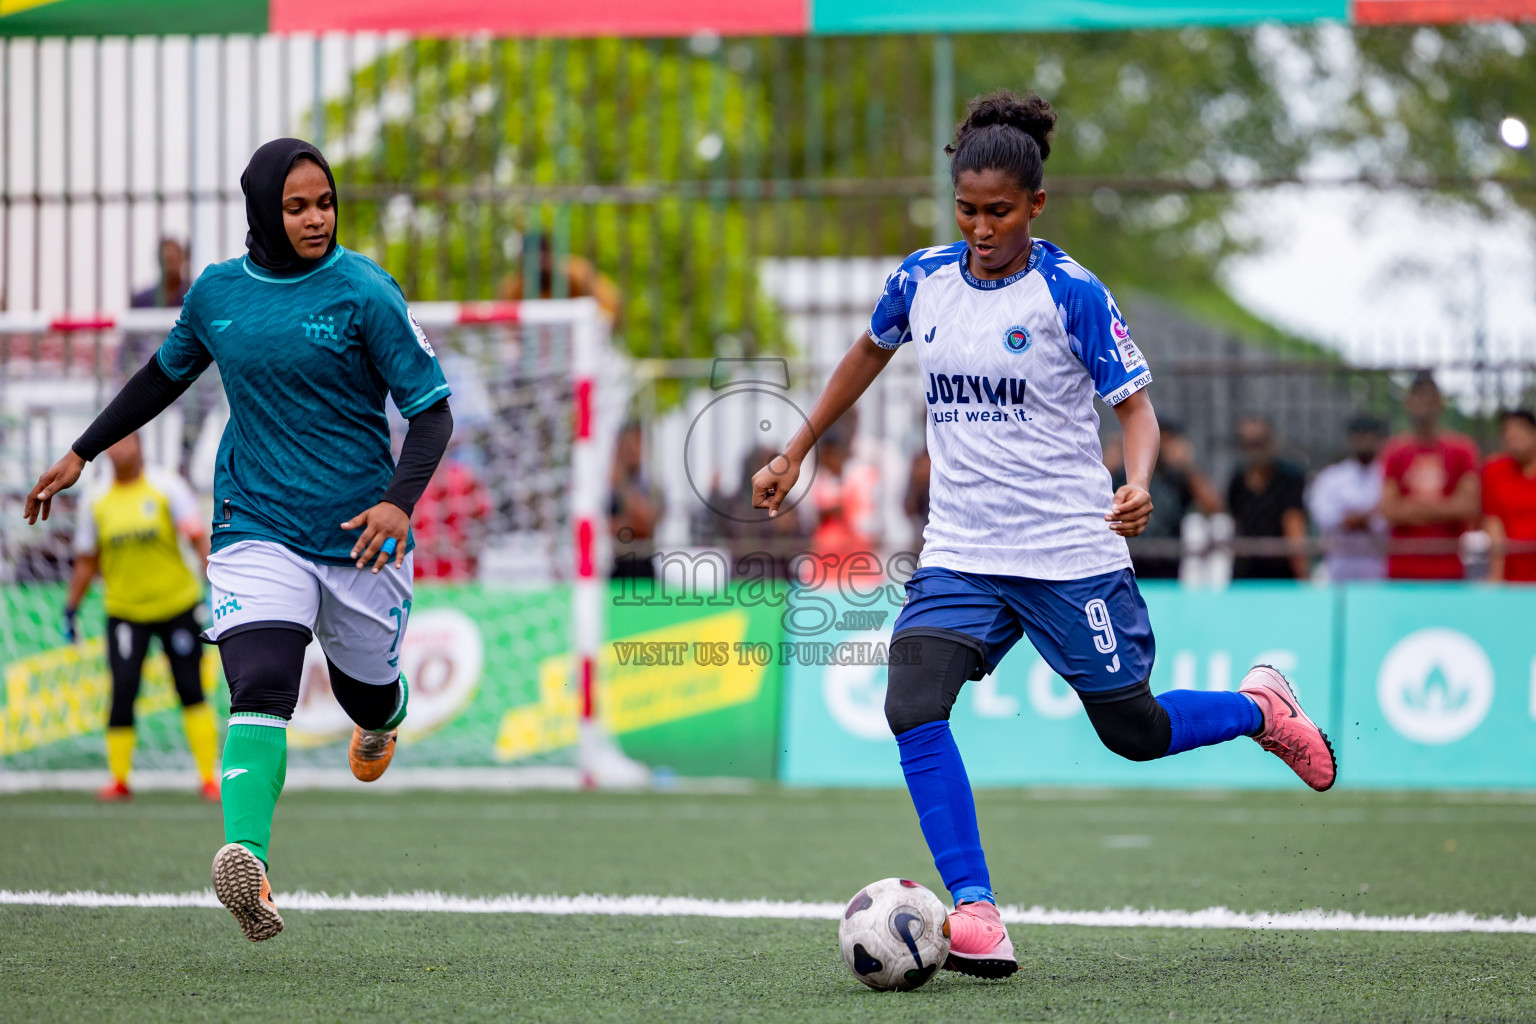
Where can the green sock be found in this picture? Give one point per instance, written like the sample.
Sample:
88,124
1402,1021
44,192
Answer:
399,715
255,767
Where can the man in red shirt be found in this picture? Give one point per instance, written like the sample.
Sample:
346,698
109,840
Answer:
1429,493
1509,500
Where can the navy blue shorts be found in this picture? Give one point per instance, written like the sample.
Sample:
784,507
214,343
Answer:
1094,632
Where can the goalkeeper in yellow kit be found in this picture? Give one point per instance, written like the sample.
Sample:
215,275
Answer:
128,533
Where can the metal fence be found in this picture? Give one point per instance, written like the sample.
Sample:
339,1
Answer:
672,165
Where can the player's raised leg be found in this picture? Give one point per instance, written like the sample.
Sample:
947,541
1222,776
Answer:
361,627
1288,732
1138,726
377,712
1096,633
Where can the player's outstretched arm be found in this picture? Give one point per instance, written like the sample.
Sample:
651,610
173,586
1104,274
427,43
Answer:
60,477
147,394
1132,509
858,368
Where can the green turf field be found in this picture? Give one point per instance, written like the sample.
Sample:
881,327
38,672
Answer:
1368,854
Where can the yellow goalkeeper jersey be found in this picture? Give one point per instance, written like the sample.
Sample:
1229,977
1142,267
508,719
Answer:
133,529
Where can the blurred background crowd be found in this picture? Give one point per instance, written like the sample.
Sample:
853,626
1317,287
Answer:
1425,502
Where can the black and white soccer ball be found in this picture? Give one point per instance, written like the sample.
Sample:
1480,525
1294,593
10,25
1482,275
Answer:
894,935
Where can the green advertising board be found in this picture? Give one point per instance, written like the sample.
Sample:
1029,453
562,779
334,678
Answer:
490,672
55,694
1440,686
1419,686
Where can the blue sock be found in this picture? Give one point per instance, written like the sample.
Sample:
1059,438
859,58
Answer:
1202,717
941,792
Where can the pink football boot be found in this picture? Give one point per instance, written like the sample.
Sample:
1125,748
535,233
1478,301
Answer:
979,943
1288,733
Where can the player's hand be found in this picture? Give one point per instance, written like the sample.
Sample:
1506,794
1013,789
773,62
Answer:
61,477
379,524
1131,512
67,627
772,484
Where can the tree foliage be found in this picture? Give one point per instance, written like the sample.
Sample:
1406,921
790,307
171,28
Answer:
1426,103
463,153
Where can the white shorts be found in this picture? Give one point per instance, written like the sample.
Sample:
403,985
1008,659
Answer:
358,617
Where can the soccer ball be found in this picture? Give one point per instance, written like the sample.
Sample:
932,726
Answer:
894,935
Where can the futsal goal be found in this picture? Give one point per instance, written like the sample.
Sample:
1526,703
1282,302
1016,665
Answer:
511,554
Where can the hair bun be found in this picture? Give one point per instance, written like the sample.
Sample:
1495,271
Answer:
1031,114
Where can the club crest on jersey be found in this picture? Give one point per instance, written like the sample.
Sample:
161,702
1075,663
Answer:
1016,339
320,326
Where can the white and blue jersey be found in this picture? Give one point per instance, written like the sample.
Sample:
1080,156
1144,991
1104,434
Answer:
306,363
1010,369
1016,543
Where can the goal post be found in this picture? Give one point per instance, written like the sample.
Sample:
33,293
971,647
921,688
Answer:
513,537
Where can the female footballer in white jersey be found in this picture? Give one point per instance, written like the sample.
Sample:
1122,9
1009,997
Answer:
1025,535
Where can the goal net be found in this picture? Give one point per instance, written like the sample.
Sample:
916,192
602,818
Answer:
507,615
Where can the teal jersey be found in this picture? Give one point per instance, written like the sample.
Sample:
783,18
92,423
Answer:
306,364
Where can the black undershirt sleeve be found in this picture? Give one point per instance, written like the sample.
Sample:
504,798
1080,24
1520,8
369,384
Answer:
147,394
425,441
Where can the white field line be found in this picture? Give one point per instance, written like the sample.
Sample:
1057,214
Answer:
685,906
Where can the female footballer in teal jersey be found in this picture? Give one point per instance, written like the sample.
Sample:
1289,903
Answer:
310,339
1025,536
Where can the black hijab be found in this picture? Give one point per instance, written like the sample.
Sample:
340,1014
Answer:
262,184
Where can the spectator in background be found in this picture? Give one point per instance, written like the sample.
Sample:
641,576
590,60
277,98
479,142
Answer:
1265,499
1429,491
1509,500
167,293
1345,500
1177,488
171,290
833,497
582,279
635,509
